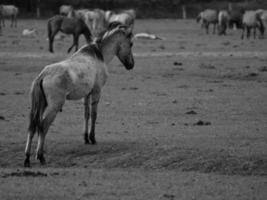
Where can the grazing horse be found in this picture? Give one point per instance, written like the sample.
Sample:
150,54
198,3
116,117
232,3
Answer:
125,17
74,26
223,19
207,17
235,18
9,11
65,9
252,19
80,76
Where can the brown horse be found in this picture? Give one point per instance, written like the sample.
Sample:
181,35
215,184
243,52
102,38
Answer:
67,25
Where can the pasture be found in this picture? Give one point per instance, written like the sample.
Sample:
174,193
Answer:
188,122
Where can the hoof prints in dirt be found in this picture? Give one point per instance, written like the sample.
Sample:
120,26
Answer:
24,174
263,69
202,123
2,118
191,112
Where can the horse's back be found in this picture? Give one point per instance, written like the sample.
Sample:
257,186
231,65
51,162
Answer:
9,10
210,15
78,75
250,18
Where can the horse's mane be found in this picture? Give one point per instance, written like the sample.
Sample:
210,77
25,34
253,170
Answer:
112,28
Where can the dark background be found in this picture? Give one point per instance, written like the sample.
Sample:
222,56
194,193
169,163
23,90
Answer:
144,8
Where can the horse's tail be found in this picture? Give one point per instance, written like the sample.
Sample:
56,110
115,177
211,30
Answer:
38,105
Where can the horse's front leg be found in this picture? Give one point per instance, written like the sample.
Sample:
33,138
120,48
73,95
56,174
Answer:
254,32
207,27
86,117
94,104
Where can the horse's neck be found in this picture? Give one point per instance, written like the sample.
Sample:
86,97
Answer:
109,48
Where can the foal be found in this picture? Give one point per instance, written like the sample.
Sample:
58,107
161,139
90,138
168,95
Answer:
81,76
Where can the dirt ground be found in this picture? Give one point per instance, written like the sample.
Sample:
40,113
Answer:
188,122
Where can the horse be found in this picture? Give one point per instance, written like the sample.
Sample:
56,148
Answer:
9,11
126,17
235,18
65,9
66,25
223,19
82,75
252,19
263,14
207,17
94,19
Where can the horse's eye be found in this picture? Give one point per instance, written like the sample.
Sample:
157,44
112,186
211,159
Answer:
131,44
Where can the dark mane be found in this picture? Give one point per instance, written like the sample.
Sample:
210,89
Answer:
92,50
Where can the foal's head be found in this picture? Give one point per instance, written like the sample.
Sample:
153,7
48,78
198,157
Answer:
122,39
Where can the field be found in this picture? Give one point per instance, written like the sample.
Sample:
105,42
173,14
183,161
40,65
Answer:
188,122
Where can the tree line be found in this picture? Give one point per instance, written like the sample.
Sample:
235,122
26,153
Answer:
144,8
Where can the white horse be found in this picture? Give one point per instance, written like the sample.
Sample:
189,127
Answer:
207,17
223,20
125,17
65,9
252,20
81,76
9,11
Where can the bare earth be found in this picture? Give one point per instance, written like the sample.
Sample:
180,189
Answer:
189,122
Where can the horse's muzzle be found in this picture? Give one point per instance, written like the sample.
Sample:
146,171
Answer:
128,63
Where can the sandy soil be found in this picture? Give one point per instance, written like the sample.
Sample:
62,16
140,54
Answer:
189,122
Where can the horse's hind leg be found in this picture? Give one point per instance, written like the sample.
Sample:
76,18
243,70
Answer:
254,32
86,117
248,32
214,28
94,103
51,40
75,43
49,116
28,149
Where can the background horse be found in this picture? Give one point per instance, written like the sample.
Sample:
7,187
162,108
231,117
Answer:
252,20
94,19
223,20
9,11
236,17
207,17
81,76
126,18
73,26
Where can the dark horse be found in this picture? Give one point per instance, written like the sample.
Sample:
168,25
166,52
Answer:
66,25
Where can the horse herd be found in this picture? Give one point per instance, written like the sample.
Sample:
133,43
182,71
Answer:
237,18
90,23
83,74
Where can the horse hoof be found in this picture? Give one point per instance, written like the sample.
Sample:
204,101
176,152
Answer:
86,141
93,141
41,159
27,163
